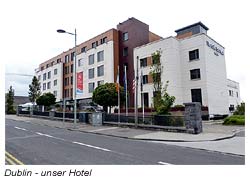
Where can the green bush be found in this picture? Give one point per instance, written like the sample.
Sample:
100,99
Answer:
235,120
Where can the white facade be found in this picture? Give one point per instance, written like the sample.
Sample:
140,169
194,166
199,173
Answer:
51,80
212,80
233,90
108,66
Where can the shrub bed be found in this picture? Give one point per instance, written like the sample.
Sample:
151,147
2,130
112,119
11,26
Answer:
235,120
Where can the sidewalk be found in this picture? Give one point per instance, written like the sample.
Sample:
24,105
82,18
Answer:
211,131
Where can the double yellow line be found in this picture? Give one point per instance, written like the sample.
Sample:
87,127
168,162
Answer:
10,159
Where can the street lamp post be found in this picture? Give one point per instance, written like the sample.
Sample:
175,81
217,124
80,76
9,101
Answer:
74,74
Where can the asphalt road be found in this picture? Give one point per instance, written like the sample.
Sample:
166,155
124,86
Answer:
34,144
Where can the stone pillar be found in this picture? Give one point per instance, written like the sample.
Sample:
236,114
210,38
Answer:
52,114
192,117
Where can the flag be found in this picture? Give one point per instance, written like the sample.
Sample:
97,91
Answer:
117,81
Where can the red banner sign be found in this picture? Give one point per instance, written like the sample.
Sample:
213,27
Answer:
79,89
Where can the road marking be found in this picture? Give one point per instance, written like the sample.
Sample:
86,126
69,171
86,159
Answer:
95,147
103,129
12,160
47,135
21,128
164,163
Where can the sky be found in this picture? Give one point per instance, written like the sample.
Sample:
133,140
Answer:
29,37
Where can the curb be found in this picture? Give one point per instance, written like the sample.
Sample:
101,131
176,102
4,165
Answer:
147,139
132,138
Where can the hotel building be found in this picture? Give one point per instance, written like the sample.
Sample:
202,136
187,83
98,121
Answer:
193,63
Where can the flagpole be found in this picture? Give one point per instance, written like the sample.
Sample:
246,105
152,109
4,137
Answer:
119,118
126,90
142,96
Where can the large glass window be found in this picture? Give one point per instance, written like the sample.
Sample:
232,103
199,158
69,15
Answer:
194,54
100,70
44,76
49,75
100,56
91,59
196,95
91,73
91,87
48,85
44,86
195,74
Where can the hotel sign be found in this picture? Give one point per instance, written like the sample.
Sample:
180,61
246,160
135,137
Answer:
217,51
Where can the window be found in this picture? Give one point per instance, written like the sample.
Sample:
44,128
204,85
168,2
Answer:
55,93
100,82
94,44
195,74
145,79
100,56
125,36
58,60
55,82
103,40
49,75
72,56
125,51
66,58
47,65
91,87
52,63
39,77
80,62
65,82
71,92
55,71
44,76
48,85
231,108
194,54
91,59
100,70
71,80
44,86
231,93
91,73
42,68
71,68
83,49
143,62
237,95
196,95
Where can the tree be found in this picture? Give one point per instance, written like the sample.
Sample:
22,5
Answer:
34,90
106,95
10,101
162,100
240,109
47,99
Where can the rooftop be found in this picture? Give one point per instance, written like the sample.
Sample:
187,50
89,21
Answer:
192,25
